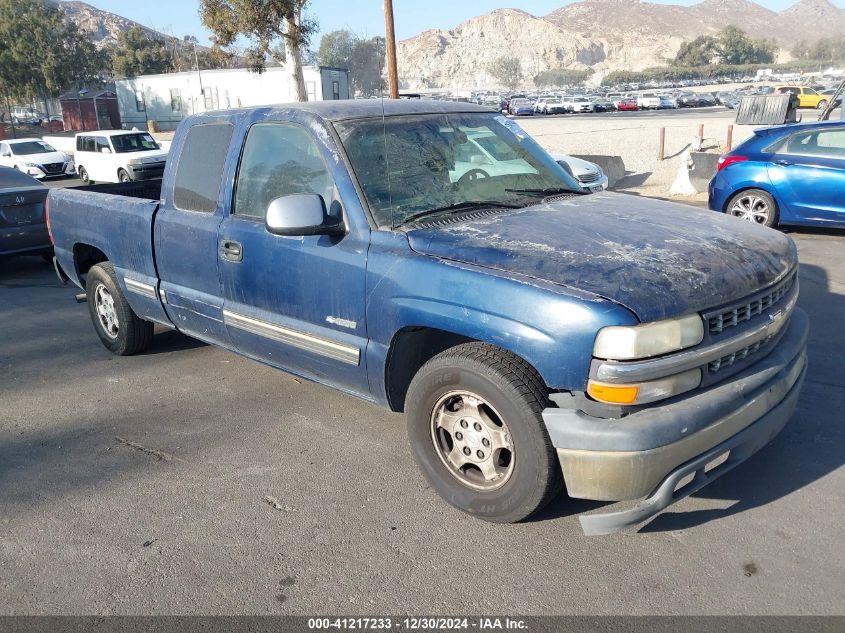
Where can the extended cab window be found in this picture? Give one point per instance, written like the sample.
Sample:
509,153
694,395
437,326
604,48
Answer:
279,160
200,170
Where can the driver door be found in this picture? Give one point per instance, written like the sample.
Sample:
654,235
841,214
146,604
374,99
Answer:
296,303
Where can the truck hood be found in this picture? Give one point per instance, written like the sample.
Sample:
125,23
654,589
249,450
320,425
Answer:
658,259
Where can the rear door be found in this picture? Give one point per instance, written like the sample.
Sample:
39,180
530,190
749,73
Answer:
186,233
808,171
293,302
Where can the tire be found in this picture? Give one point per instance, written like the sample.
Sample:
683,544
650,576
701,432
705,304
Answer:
754,205
490,385
121,330
821,105
123,176
83,174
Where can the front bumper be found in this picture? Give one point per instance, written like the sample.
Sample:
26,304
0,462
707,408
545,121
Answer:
650,452
146,172
596,185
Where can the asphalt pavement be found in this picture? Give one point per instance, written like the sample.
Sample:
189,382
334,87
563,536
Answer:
189,480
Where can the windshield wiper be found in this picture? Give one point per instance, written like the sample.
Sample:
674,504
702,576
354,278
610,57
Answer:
460,206
547,191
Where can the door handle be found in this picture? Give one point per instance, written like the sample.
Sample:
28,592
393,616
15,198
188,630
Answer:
782,163
231,251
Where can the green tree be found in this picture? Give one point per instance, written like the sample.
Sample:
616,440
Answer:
828,50
561,77
507,71
337,47
40,54
699,52
139,53
274,28
363,57
735,47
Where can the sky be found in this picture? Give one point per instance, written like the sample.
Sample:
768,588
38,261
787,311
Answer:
364,17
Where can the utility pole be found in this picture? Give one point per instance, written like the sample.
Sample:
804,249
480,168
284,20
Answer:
199,74
392,75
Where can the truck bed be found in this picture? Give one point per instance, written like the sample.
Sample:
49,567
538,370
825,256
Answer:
113,219
145,189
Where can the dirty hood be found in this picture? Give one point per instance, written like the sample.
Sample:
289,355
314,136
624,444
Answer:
658,259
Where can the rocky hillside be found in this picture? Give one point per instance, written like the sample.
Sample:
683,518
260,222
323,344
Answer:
103,26
600,35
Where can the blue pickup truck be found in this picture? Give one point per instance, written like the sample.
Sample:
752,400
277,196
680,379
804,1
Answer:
537,337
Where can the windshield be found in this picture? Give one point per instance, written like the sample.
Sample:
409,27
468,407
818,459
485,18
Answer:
141,142
27,148
437,161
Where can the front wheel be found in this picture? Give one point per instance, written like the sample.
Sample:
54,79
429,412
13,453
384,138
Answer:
822,104
123,176
83,174
476,431
754,205
121,330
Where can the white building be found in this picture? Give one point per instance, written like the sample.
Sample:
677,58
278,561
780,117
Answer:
167,99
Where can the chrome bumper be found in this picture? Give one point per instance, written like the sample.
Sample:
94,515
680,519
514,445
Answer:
649,453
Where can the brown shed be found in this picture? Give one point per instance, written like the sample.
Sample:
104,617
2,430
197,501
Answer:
85,110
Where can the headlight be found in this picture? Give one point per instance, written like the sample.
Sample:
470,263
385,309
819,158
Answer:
33,165
649,339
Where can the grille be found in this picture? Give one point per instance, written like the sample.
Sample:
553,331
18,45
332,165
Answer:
730,359
53,168
590,177
735,315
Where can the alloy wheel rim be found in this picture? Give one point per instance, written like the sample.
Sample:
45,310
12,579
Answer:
751,208
106,313
472,441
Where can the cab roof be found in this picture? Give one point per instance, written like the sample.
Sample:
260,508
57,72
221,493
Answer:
366,108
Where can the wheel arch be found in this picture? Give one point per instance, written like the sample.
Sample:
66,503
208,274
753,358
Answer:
748,186
85,257
413,346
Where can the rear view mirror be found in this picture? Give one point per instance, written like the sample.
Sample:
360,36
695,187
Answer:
301,214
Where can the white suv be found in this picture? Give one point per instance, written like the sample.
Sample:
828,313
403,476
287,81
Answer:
118,156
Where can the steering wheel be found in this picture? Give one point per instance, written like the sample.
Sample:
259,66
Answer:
472,175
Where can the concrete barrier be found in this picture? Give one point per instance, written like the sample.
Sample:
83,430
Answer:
612,166
703,168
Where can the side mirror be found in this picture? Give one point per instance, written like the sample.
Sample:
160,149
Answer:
105,150
478,159
6,154
301,214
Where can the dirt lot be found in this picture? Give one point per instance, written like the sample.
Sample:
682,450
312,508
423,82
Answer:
190,480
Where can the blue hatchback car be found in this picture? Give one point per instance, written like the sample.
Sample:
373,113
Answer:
788,174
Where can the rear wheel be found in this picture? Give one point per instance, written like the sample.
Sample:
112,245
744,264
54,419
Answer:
754,205
121,330
476,431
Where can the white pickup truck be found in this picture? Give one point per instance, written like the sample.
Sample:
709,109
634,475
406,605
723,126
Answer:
118,156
